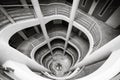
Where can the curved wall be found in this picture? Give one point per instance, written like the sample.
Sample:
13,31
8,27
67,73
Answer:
7,32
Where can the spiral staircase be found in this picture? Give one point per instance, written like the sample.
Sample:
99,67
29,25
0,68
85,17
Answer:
55,41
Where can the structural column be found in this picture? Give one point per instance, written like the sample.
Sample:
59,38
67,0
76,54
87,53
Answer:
21,33
12,21
101,53
41,20
72,16
36,29
6,14
114,19
24,3
92,8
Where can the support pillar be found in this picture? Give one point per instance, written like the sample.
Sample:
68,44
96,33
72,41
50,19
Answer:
72,16
40,17
21,33
114,19
24,3
101,53
6,14
93,6
12,21
36,29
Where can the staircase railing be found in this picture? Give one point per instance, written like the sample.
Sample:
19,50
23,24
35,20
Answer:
58,9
